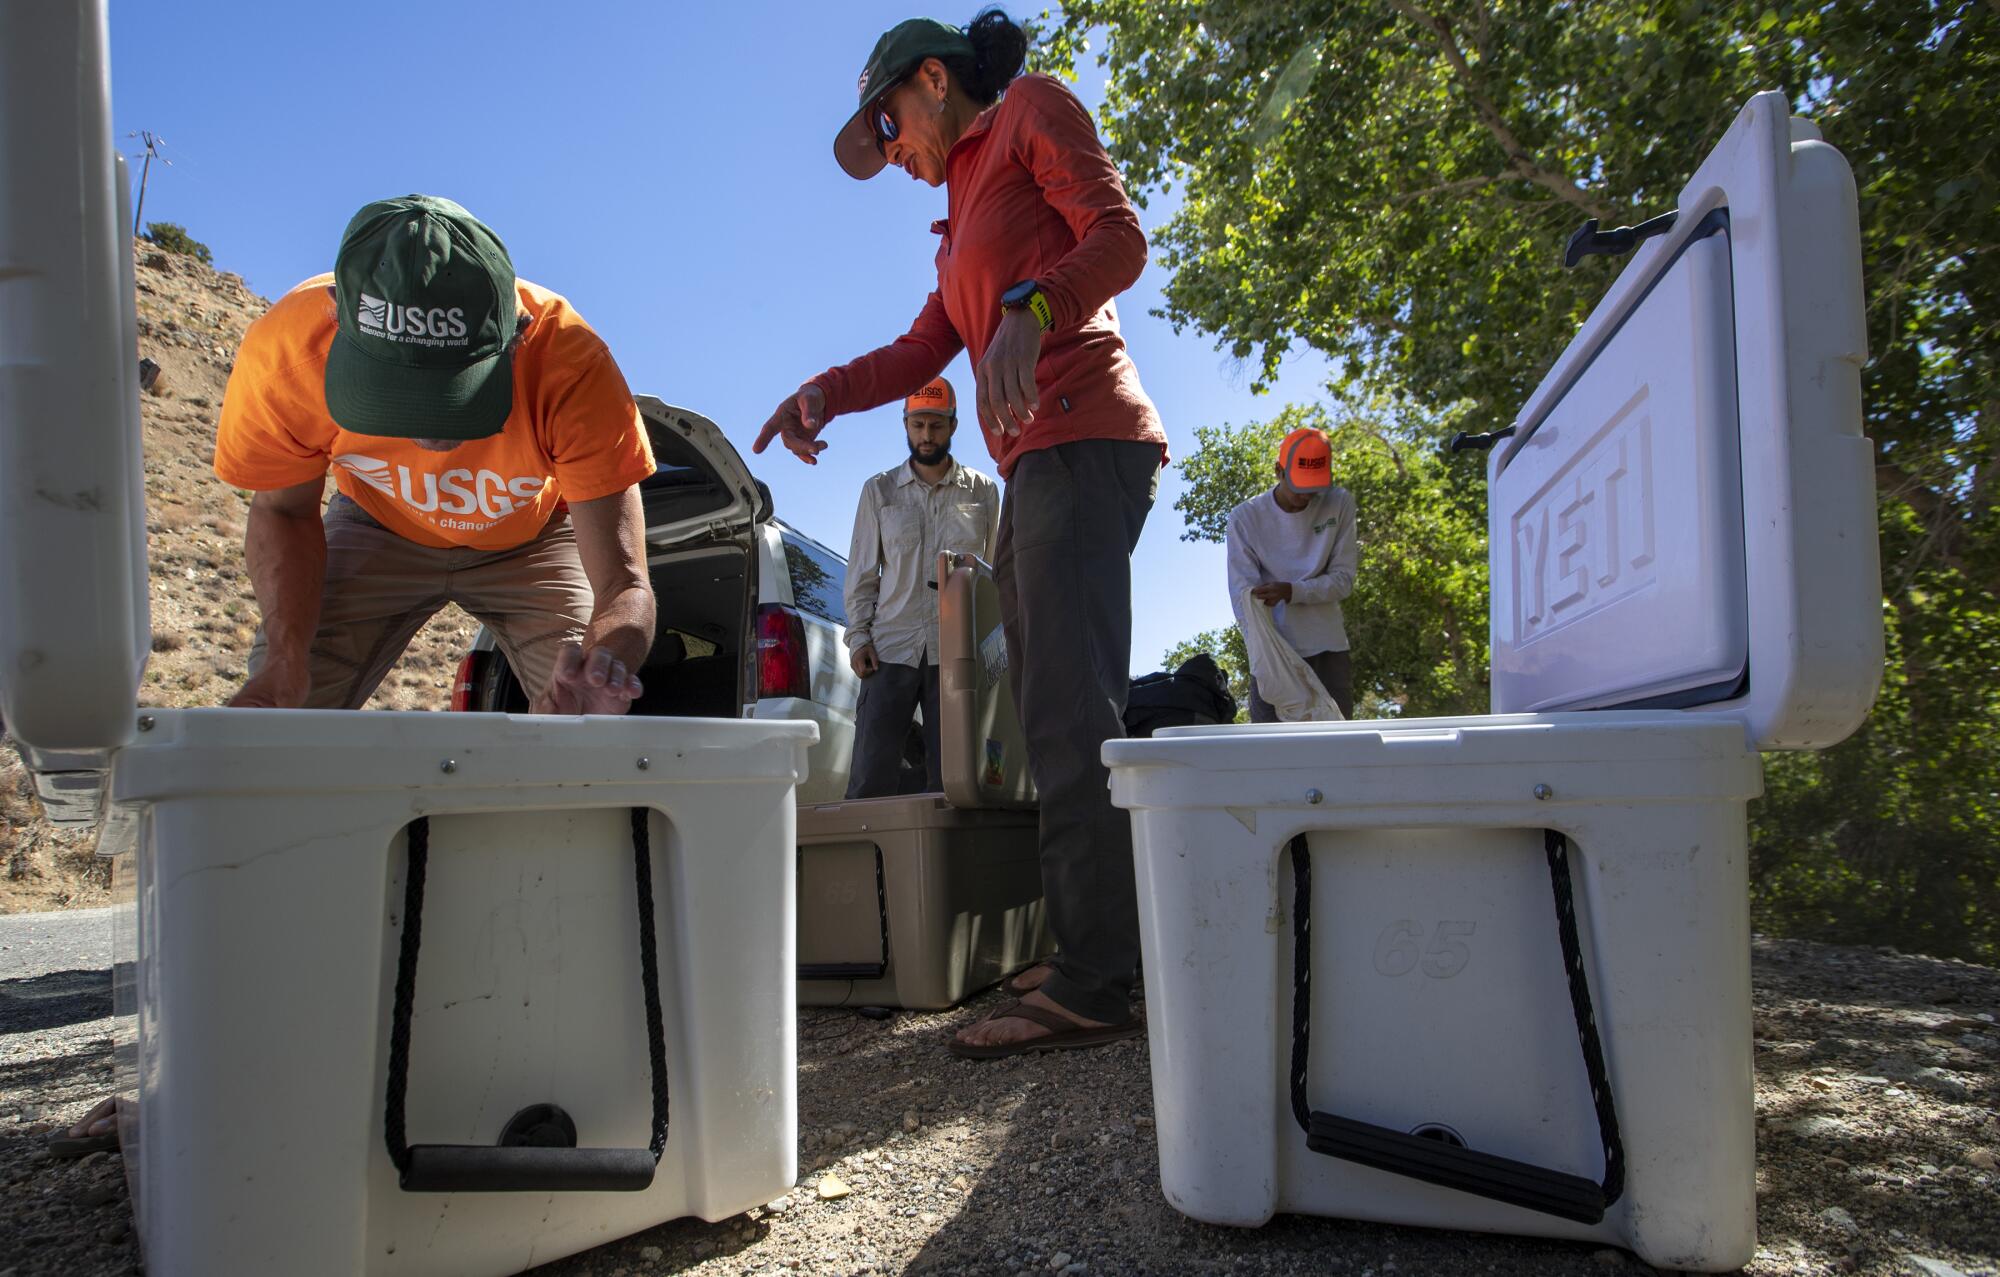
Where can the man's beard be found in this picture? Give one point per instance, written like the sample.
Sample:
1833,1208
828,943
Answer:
940,453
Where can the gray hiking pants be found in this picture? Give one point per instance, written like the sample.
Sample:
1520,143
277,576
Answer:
889,701
1335,671
1068,525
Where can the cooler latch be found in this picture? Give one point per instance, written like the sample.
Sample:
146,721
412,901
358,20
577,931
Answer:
1588,241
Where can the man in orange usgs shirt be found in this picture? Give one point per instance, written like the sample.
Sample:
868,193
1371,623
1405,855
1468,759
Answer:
487,453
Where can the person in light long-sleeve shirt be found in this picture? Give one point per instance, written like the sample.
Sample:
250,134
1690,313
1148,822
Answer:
930,504
1293,549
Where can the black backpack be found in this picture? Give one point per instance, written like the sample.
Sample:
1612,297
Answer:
1193,695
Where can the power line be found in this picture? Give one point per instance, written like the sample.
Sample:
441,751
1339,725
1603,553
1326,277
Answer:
154,142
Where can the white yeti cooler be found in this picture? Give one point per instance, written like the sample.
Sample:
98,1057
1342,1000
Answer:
1493,973
415,993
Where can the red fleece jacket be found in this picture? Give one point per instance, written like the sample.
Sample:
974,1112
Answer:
1031,195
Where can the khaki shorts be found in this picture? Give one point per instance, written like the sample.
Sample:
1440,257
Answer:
381,588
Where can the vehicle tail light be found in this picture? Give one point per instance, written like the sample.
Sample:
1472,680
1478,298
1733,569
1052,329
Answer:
784,667
467,680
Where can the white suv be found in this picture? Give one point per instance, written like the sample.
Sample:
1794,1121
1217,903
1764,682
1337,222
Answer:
751,622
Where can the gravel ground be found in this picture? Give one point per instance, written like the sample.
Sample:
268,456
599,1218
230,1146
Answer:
1877,1148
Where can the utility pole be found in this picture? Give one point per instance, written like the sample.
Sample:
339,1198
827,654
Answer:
153,144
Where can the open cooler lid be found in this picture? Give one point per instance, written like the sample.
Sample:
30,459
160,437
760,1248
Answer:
699,486
1684,516
982,752
74,627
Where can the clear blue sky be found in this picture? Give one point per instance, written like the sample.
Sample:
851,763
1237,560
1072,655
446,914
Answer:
667,167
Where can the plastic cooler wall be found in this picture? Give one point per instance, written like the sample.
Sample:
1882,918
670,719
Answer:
270,849
1437,993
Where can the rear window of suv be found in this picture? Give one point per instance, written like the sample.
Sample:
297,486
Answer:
818,579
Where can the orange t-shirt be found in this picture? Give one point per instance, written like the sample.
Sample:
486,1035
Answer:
574,433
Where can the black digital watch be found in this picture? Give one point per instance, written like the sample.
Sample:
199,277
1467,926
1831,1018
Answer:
1028,294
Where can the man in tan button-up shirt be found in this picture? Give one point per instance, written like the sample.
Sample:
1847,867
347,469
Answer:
907,516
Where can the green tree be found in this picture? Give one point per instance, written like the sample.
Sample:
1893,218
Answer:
1417,617
172,237
1391,182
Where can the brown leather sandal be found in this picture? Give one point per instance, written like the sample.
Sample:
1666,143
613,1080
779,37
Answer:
1063,1034
61,1144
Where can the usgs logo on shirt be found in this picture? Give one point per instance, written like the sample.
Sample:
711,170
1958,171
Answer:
393,321
454,492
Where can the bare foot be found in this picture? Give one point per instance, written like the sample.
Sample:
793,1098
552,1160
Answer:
96,1132
1031,979
102,1120
1008,1029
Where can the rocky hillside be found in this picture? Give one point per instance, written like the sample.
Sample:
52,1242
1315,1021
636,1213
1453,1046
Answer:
191,319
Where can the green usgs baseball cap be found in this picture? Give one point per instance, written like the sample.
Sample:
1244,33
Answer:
425,297
901,50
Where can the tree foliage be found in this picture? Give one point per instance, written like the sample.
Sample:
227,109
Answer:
1890,836
1391,182
172,237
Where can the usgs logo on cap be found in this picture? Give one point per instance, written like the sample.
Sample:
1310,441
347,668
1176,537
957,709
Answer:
393,321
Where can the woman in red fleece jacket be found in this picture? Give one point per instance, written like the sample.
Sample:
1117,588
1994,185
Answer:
1040,237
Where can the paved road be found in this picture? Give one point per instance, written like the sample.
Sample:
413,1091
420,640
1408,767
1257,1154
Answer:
56,1060
55,971
35,944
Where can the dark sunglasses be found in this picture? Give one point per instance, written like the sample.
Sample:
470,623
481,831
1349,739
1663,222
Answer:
879,118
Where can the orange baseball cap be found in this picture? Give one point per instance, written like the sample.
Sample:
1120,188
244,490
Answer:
936,397
1305,461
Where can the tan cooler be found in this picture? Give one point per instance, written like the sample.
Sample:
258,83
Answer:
922,900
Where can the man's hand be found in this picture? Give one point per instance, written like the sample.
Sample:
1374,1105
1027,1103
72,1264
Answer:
864,660
593,683
798,421
280,684
1271,594
1006,393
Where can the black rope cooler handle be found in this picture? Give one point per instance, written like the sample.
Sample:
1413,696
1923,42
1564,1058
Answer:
1502,1179
857,970
537,1150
